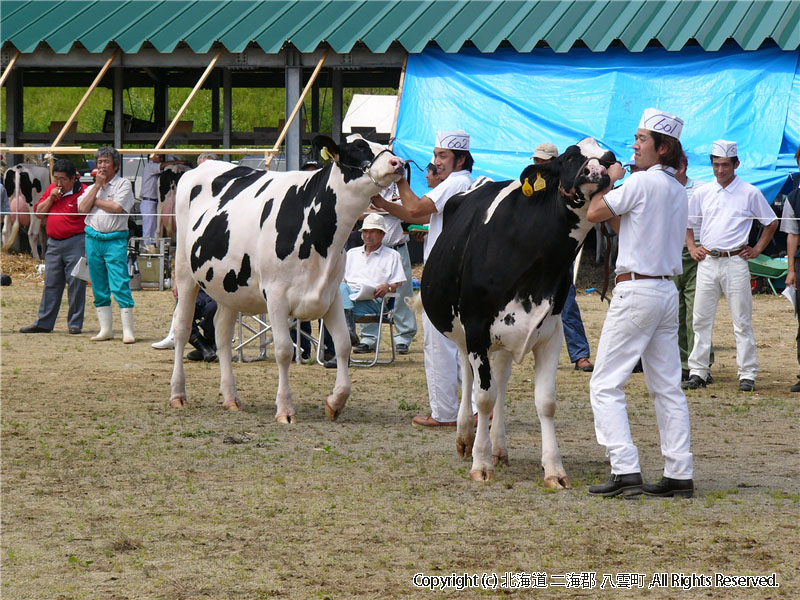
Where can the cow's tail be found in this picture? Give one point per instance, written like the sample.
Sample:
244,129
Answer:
414,303
11,225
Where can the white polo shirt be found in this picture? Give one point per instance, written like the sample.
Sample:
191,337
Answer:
117,190
653,212
383,265
456,182
725,215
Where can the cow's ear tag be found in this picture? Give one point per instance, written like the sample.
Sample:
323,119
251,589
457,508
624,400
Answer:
539,184
526,188
325,154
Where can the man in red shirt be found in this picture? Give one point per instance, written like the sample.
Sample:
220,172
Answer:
65,246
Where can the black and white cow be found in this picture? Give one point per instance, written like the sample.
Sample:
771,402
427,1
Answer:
259,241
495,283
24,185
167,188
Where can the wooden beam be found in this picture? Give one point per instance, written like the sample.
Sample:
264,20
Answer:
88,93
191,96
8,68
297,106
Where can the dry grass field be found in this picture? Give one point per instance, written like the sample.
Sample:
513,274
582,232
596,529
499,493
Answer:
108,493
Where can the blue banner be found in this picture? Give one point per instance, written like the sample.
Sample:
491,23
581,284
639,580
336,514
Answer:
510,102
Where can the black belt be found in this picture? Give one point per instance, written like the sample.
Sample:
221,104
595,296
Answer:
635,276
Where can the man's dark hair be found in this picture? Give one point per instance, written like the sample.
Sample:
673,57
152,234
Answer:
109,151
432,168
468,160
672,157
65,165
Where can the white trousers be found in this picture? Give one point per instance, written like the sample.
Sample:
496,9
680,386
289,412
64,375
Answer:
642,321
729,276
442,372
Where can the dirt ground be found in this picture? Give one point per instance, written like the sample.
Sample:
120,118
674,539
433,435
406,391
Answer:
109,493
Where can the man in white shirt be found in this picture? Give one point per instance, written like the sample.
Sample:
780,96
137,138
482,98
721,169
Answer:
649,212
109,201
453,163
405,320
723,210
371,271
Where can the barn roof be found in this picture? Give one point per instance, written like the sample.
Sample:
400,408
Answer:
411,24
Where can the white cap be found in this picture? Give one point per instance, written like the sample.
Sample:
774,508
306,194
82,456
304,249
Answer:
546,151
373,221
452,140
724,149
661,122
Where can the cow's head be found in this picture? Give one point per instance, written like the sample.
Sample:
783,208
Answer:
358,158
580,172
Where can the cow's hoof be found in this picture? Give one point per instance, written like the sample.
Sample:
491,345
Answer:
178,401
332,413
286,419
232,405
464,447
554,482
481,475
500,458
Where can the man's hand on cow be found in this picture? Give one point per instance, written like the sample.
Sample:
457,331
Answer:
616,171
378,202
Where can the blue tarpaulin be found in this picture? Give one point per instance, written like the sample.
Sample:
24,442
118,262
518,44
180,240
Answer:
510,102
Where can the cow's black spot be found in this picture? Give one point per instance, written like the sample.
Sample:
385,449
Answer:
195,192
263,187
200,220
212,243
526,304
232,282
265,211
316,194
210,274
242,178
509,319
202,284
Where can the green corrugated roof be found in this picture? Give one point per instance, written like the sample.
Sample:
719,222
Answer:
413,24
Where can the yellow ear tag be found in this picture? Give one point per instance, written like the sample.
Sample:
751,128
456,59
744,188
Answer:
325,154
539,184
526,188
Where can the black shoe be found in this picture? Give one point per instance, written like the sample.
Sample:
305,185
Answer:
694,382
74,330
207,351
194,355
628,485
402,348
638,368
33,329
362,349
330,364
684,375
668,487
796,386
328,355
709,379
746,385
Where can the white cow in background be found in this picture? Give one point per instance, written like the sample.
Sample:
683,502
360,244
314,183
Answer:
24,185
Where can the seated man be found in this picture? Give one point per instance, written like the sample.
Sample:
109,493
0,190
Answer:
372,266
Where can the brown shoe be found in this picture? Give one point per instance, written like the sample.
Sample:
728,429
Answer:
429,421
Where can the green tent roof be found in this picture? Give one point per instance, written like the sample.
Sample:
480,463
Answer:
413,24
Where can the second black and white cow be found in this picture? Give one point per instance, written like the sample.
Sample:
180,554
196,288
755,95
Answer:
495,283
24,185
259,241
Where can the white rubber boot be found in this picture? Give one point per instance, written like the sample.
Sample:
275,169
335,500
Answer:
126,316
106,318
168,343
